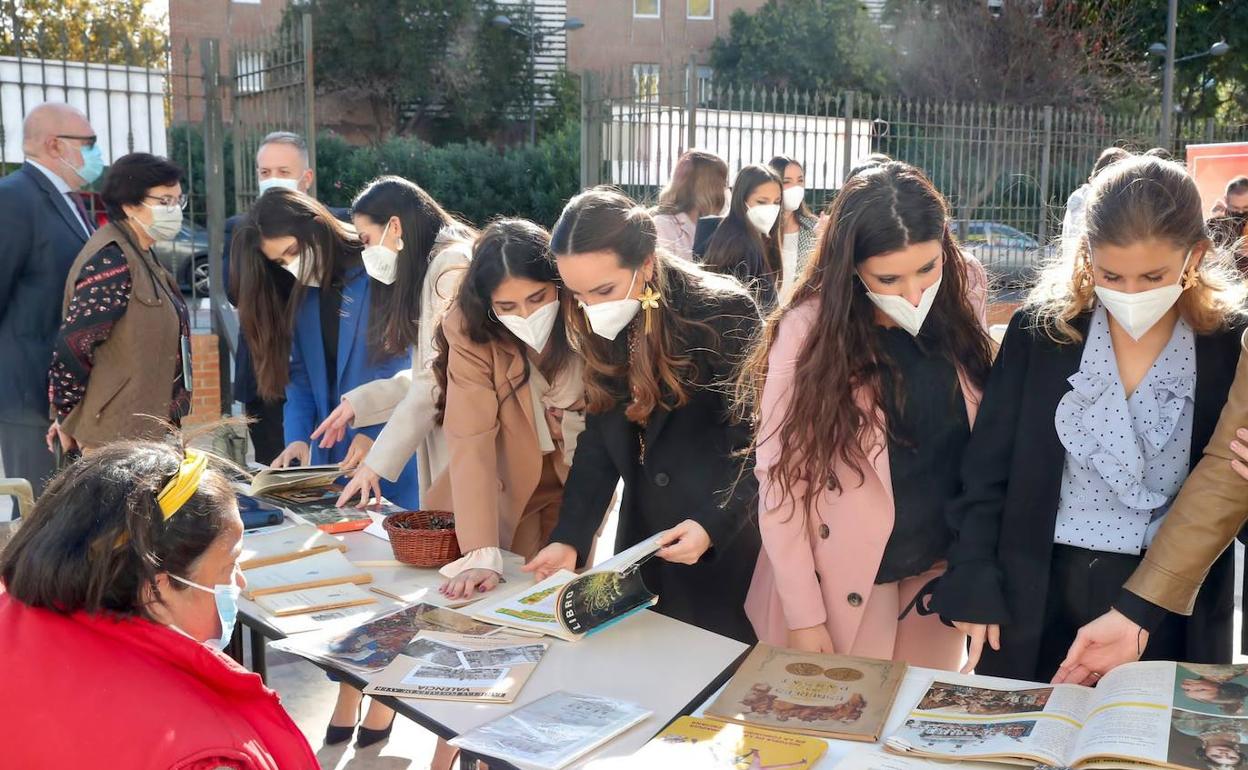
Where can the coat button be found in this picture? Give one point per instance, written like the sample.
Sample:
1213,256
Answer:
824,531
661,479
854,599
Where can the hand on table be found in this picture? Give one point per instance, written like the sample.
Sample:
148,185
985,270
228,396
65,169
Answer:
356,452
334,428
813,639
366,483
684,543
1100,646
298,452
550,560
469,583
979,633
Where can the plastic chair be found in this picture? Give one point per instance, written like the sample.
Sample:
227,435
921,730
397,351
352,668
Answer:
21,489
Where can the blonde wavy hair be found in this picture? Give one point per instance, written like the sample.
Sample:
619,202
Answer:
1136,199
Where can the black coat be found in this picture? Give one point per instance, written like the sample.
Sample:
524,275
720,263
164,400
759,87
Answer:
40,239
1006,515
693,470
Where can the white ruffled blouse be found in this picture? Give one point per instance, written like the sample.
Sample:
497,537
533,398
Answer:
1126,458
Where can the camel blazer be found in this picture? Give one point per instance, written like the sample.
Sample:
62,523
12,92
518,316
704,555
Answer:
405,401
823,570
495,463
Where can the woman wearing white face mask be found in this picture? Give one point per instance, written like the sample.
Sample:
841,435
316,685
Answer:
1107,387
797,224
510,402
117,594
746,244
865,388
661,339
123,350
418,250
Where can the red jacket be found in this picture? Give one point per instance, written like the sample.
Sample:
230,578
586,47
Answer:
89,691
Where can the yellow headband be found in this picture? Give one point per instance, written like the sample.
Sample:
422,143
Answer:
183,484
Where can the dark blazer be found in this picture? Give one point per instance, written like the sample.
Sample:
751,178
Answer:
39,239
1006,515
692,470
245,388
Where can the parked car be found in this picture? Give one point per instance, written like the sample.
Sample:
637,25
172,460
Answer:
1011,256
186,256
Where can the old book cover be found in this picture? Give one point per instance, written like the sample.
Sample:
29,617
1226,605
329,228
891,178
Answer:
314,600
320,569
440,666
287,544
829,696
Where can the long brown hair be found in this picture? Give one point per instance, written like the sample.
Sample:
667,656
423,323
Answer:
1136,199
698,183
737,248
507,248
269,296
422,220
882,210
656,370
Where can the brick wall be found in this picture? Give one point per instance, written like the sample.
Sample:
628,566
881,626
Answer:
206,393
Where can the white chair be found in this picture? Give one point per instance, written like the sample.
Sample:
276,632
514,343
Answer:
19,488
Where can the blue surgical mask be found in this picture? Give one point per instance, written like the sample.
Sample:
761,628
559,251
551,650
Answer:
227,606
92,164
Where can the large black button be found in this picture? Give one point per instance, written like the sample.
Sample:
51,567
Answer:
661,479
854,599
824,531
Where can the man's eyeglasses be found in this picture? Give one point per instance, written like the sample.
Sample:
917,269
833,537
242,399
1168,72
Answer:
87,141
171,200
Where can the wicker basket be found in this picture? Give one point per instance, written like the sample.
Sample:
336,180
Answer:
423,538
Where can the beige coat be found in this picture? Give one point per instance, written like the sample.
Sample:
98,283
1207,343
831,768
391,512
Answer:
495,461
405,401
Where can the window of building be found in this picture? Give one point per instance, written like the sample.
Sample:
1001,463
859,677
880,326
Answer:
706,84
646,9
646,82
700,9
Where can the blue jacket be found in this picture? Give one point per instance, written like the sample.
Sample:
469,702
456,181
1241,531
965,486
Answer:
41,238
308,400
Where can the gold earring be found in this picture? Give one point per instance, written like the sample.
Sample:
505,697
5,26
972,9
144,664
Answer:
650,298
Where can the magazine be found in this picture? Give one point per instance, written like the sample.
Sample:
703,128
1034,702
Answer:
320,569
372,646
828,696
874,758
319,506
553,731
442,666
1155,713
567,606
285,544
693,743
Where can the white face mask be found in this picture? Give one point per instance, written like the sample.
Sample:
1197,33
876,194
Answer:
1137,313
166,222
899,309
296,267
533,331
763,216
277,182
608,319
380,261
793,198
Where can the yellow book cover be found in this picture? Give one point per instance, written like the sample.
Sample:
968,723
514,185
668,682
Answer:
699,743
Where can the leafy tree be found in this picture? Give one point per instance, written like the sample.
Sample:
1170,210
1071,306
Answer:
421,63
97,31
805,44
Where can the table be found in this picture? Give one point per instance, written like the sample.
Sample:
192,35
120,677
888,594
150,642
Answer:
663,664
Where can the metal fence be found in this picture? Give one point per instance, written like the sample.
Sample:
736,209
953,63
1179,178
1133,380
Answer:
1006,171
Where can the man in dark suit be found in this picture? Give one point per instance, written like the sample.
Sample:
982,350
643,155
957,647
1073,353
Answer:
44,225
281,161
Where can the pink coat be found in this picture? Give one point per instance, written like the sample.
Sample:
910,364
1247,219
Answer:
823,571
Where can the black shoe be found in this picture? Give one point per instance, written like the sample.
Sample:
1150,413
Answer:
369,736
335,735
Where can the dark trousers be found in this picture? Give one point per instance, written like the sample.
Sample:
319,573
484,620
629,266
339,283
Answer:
267,438
1083,585
24,451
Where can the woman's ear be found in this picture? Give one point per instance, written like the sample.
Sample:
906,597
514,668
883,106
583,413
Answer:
396,228
647,270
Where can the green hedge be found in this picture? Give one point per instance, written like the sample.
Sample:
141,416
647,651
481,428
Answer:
475,181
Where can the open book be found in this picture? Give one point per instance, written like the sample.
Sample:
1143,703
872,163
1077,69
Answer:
441,666
315,600
272,480
320,569
1159,714
567,606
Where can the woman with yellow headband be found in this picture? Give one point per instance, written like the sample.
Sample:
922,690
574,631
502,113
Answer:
117,594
